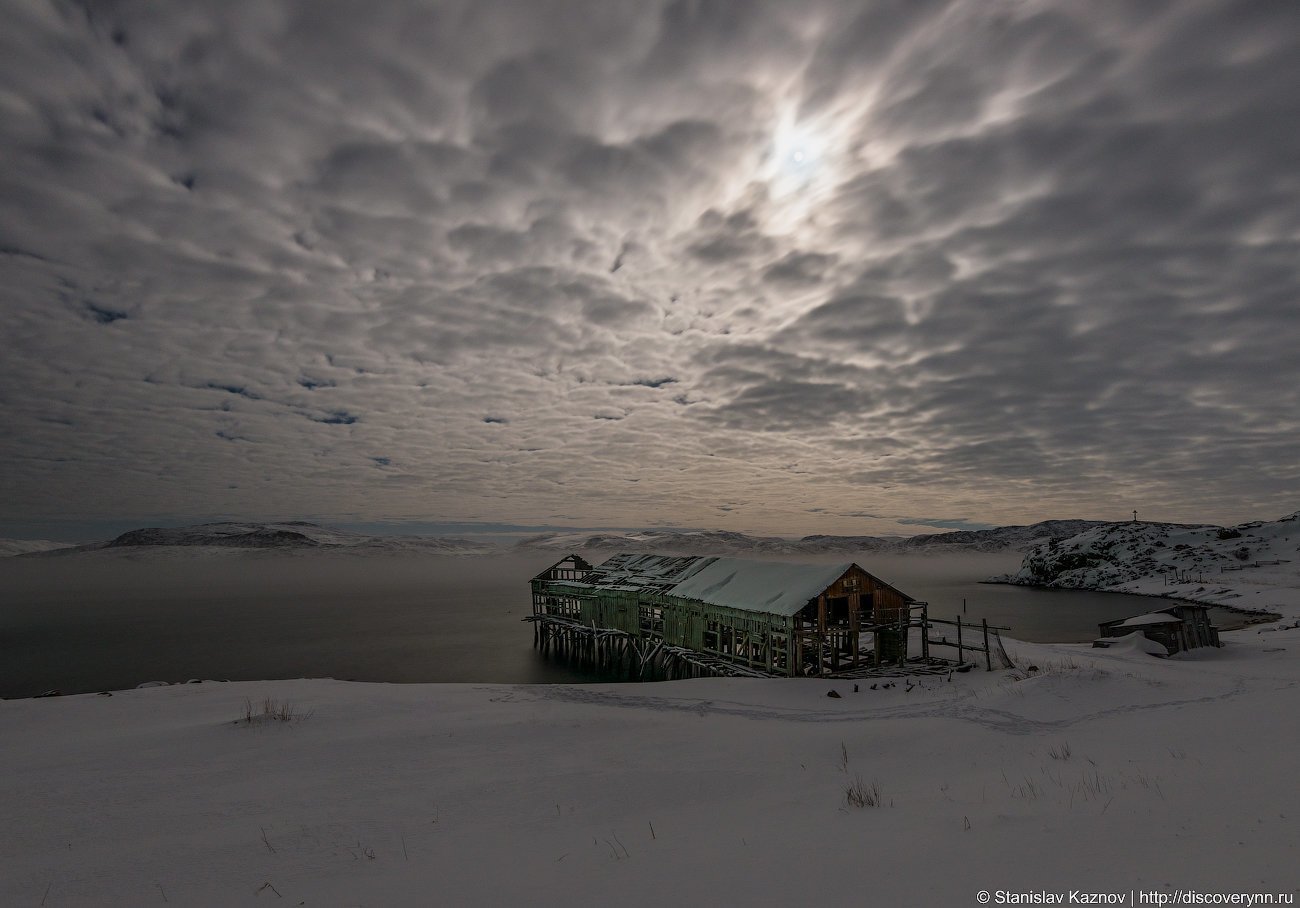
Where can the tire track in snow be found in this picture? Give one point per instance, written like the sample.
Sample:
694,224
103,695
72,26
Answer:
992,718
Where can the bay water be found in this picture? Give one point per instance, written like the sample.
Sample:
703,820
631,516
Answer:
111,620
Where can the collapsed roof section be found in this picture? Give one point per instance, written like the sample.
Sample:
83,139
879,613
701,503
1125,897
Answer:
770,587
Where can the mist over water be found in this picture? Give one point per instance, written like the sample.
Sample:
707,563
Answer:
111,620
97,622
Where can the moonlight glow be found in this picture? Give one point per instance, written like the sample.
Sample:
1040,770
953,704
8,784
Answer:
799,157
800,172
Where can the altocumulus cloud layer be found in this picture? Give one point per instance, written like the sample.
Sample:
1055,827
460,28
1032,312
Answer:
780,267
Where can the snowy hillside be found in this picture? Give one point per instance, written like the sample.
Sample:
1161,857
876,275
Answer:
1254,566
287,537
1000,539
231,537
24,546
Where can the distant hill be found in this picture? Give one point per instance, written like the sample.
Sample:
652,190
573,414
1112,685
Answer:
686,542
230,537
1001,539
25,546
291,536
691,542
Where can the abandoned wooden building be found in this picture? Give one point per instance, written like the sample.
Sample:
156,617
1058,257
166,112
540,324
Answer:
1176,628
725,616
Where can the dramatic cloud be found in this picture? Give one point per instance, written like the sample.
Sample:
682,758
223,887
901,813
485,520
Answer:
766,266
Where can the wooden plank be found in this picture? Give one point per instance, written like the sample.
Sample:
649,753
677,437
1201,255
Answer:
992,627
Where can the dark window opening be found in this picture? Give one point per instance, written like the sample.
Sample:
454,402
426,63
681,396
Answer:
837,609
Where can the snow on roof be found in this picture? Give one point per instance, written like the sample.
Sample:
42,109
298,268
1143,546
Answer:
1151,618
773,587
1134,640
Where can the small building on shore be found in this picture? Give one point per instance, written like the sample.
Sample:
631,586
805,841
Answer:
1177,628
726,615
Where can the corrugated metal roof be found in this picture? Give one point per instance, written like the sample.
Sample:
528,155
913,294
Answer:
771,587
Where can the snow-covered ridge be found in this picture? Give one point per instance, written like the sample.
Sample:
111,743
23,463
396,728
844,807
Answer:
1002,538
230,537
1254,566
24,546
1060,553
691,542
290,536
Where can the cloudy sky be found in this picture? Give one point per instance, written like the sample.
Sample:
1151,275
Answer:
839,267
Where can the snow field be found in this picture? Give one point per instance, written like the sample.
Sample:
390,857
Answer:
1103,769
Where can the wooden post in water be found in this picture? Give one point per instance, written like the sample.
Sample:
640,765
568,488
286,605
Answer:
925,632
902,635
960,657
988,658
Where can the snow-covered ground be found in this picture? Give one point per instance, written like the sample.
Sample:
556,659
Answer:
1104,770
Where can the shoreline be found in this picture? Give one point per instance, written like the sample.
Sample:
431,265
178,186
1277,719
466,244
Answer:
1263,616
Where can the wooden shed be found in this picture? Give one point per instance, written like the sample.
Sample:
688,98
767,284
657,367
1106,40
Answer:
750,617
1176,628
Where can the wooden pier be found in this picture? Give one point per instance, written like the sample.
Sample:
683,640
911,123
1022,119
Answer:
618,654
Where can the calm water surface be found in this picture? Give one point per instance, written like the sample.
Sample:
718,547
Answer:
89,623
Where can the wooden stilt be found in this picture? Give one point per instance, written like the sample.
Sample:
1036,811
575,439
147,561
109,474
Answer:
925,631
902,636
